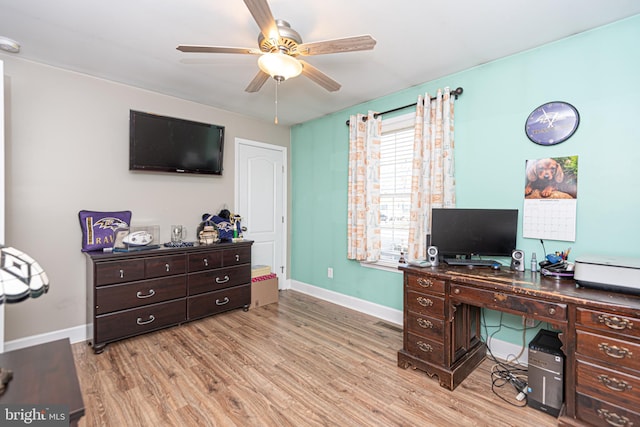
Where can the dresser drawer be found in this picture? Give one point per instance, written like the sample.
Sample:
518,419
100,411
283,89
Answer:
599,413
425,304
236,256
428,327
204,260
606,384
607,322
425,349
108,273
533,308
425,284
120,297
617,352
121,324
212,280
215,302
164,266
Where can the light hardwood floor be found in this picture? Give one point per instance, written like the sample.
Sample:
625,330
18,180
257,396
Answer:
300,362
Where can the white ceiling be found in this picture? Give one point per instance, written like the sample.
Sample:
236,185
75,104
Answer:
134,42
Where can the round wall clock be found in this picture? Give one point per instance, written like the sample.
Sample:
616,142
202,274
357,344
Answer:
552,123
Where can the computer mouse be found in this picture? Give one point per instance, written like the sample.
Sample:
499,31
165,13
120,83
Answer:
495,266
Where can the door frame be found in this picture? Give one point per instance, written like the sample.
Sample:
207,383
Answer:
286,284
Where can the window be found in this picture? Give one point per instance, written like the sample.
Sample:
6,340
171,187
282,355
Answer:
396,153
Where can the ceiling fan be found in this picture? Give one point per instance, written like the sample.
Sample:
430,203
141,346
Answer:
280,46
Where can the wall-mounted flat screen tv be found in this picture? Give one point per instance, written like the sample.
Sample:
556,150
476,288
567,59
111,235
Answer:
167,144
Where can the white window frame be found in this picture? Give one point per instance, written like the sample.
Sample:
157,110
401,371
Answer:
393,124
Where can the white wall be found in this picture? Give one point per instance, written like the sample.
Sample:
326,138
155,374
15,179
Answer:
67,141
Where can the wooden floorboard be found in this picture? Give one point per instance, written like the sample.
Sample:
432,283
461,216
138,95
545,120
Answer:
300,362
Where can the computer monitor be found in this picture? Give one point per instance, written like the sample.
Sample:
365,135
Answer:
464,233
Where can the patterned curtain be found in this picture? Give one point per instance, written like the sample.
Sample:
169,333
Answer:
363,223
433,182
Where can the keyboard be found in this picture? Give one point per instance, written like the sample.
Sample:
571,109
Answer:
472,262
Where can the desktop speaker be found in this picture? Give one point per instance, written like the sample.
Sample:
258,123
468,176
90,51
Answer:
432,255
517,260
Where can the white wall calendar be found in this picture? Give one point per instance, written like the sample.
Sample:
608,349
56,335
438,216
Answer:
551,196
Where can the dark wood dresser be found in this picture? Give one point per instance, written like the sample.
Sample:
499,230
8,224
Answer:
600,332
130,293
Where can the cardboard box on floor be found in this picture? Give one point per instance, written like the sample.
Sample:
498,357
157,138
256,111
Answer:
264,292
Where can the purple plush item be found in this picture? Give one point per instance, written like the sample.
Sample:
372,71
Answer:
98,228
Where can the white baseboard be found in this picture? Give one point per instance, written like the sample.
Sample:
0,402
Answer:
75,334
390,315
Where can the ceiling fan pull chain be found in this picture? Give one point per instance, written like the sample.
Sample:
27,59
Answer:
277,84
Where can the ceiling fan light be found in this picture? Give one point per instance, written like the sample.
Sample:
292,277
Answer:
280,66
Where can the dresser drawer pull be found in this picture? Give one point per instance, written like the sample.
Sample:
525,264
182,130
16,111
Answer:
206,262
225,280
148,295
614,383
426,324
121,273
614,322
141,322
223,301
614,419
427,348
425,283
425,302
552,311
167,266
237,257
615,351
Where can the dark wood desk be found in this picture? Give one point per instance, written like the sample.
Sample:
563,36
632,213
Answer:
44,374
600,332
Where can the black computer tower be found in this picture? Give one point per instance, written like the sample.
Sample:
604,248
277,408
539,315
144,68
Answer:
545,389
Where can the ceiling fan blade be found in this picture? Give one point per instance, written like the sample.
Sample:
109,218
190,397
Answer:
347,44
264,18
217,49
319,77
257,82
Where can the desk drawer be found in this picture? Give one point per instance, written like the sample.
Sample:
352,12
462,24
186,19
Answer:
517,304
607,322
135,321
623,354
425,304
599,413
425,349
426,326
425,284
606,384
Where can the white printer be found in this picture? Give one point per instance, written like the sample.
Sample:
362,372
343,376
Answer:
618,274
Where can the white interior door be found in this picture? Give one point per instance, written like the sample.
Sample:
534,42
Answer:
2,237
261,201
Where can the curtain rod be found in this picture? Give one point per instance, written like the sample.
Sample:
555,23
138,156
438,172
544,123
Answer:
456,92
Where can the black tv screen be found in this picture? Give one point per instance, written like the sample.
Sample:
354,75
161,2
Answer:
468,232
167,144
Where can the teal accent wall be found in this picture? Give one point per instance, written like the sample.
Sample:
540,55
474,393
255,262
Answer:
596,71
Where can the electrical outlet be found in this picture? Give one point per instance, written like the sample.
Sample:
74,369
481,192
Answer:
330,273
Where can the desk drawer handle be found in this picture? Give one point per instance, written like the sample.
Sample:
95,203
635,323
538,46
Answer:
225,280
223,301
615,351
614,419
552,311
615,322
141,322
614,383
425,283
148,295
426,324
425,302
456,291
427,348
